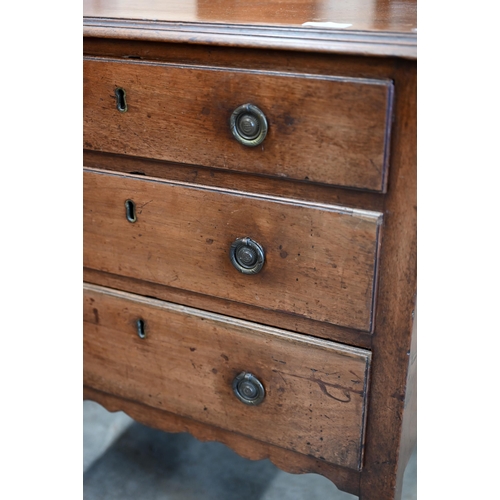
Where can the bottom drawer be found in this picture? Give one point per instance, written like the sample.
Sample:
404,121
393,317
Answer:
296,392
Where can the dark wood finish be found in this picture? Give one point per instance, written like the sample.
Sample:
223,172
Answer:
295,463
320,260
326,129
233,40
315,390
244,58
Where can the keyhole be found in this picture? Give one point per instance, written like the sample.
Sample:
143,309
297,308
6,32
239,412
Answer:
140,329
121,103
130,211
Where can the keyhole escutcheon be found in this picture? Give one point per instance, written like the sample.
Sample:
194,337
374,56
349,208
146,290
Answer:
130,211
141,332
121,102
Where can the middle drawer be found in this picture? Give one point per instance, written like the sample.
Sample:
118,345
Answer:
319,261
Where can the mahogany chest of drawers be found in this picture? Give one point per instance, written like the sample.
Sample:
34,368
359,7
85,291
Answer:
250,228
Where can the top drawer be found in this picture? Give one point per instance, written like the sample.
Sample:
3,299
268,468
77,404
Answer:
325,129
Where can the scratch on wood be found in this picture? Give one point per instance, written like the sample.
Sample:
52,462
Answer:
323,387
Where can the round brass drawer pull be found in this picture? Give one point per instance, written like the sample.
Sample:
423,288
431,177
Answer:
248,389
247,255
248,125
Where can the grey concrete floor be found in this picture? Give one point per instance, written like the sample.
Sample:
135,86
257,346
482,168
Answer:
124,460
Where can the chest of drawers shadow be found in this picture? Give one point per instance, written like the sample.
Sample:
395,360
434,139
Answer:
250,234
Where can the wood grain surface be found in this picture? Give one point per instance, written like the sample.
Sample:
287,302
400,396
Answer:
315,390
320,259
242,57
382,476
255,314
206,176
374,15
195,41
310,39
326,129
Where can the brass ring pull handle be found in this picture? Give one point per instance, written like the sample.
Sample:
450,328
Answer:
247,255
248,389
248,125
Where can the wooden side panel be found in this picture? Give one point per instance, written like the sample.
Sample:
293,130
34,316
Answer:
383,472
315,390
320,260
323,129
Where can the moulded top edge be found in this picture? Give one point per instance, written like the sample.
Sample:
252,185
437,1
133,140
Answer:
297,38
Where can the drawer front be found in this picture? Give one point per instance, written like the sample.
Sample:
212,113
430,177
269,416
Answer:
320,128
315,390
320,260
